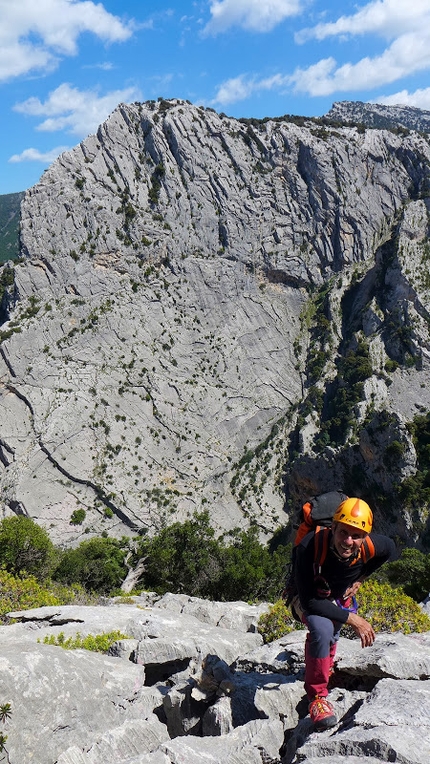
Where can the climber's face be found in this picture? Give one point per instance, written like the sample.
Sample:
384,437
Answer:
347,540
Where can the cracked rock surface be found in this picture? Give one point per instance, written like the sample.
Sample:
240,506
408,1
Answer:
219,696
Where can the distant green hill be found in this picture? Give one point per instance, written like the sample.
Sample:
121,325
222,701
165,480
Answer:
9,225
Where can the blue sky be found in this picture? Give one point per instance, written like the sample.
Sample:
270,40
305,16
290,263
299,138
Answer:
66,64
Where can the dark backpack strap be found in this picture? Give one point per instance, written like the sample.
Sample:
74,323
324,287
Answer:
320,547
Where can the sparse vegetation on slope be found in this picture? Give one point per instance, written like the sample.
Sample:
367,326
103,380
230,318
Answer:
205,301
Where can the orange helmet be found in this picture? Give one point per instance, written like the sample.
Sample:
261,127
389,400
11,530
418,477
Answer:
354,512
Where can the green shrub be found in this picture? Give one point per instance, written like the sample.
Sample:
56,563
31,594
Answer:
277,622
97,564
71,594
26,592
411,572
97,643
348,389
25,547
393,453
156,177
77,517
249,571
186,557
390,365
22,593
414,491
389,609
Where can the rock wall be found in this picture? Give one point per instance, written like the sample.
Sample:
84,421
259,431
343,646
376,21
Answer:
159,348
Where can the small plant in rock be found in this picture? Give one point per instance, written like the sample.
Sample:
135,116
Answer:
5,714
277,622
97,643
77,517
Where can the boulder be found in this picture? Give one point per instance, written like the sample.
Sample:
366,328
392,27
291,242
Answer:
64,698
389,724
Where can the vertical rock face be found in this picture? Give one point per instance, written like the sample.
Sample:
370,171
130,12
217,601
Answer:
165,335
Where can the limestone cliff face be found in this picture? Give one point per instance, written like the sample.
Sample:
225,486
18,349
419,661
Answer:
165,349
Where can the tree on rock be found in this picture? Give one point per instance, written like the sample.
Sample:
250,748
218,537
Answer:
97,564
25,547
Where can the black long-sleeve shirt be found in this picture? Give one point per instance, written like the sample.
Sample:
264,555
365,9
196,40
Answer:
339,574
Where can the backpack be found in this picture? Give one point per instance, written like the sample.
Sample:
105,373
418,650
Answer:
318,511
317,515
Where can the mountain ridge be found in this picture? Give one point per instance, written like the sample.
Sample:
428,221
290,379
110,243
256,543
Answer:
381,116
195,293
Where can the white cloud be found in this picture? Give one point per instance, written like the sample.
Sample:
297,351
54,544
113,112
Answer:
161,82
34,34
420,99
79,112
239,88
408,26
105,66
388,18
408,54
235,89
34,155
253,15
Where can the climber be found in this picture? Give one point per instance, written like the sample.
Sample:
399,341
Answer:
331,564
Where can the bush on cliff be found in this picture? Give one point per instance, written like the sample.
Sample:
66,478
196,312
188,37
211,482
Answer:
249,570
25,547
97,564
26,592
411,572
389,609
183,557
186,557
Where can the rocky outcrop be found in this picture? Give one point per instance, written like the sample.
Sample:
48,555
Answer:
187,687
380,116
173,335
